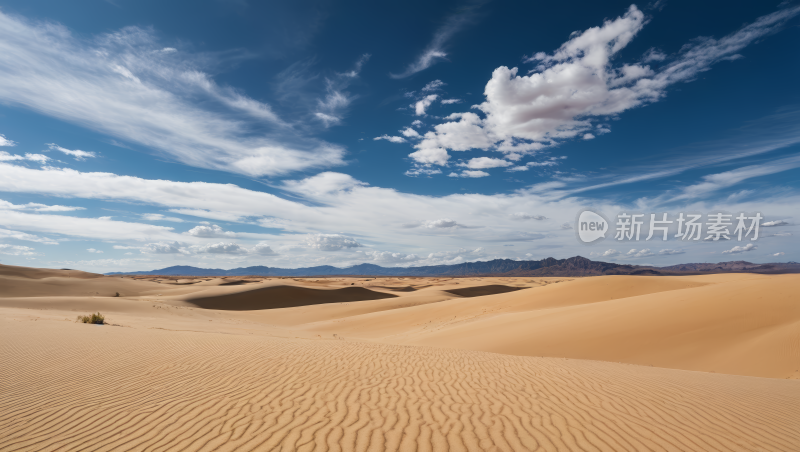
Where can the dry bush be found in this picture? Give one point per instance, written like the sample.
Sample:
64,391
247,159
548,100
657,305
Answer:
97,319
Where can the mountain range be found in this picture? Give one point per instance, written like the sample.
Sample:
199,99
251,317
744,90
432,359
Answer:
573,266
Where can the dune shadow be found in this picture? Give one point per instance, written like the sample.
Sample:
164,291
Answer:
277,297
480,291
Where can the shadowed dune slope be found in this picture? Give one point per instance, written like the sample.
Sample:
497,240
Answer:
70,386
280,296
479,291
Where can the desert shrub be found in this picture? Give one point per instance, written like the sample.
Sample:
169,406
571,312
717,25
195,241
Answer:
117,294
97,319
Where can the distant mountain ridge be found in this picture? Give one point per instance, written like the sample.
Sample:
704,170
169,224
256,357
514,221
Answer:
573,266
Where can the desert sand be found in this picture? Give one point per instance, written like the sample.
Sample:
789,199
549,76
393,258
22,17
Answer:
247,363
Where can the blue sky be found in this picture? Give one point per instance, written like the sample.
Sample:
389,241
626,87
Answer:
138,135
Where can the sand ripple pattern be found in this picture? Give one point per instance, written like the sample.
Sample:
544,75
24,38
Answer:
123,389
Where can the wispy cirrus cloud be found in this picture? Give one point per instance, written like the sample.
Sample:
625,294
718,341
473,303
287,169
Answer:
129,86
435,51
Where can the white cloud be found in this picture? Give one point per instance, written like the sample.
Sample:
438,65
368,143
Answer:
525,216
770,224
434,85
222,248
209,231
435,52
422,105
416,123
421,170
390,139
578,84
450,101
741,249
5,141
36,207
38,158
386,257
331,242
441,223
77,154
610,253
263,249
671,252
588,136
566,226
779,254
653,54
323,184
470,174
18,235
16,250
410,133
92,250
485,162
121,84
163,248
639,253
160,217
714,182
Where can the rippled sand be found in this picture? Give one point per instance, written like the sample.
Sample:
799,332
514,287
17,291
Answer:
169,374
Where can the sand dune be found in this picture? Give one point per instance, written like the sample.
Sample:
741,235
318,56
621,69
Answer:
107,388
400,363
39,273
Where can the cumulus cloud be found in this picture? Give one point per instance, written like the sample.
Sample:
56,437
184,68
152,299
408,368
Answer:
164,248
450,101
485,162
263,249
422,105
639,253
779,254
76,154
416,123
209,231
410,133
331,242
391,138
5,141
92,250
221,248
123,85
671,252
16,250
578,84
470,174
741,249
386,257
441,223
323,184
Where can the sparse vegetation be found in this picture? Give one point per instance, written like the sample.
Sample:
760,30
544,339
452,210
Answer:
97,319
117,294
